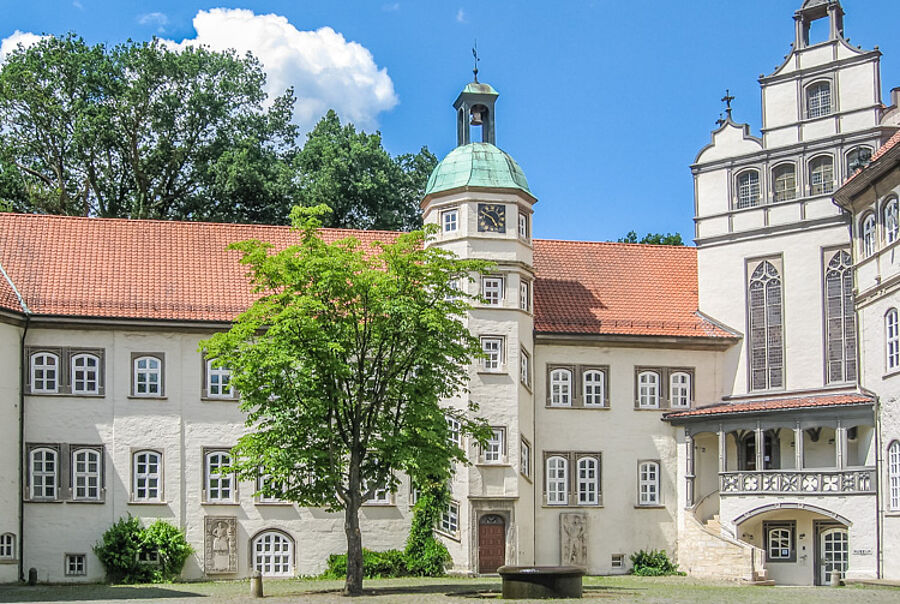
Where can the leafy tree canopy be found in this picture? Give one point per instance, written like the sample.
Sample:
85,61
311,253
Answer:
342,364
654,238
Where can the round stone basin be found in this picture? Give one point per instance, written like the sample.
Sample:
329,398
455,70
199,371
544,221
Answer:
522,582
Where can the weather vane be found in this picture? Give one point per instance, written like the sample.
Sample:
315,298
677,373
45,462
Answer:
475,54
727,100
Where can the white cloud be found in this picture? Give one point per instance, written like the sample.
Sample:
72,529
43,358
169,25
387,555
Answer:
160,20
78,5
10,43
390,7
325,70
461,16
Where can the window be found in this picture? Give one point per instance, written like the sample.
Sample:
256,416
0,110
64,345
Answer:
273,554
779,541
86,474
76,565
219,482
524,368
147,477
617,561
450,519
680,389
890,221
818,100
561,388
85,374
840,319
380,495
784,178
265,481
44,373
492,290
892,339
44,473
147,376
648,390
453,431
492,348
495,447
821,176
7,546
523,226
868,234
588,481
765,341
450,221
594,389
748,189
557,480
894,474
525,459
218,381
524,296
858,158
648,483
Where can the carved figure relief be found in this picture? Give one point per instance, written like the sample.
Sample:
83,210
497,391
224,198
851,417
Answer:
220,545
573,539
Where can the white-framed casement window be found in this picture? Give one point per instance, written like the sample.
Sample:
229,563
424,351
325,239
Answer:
146,477
449,524
557,480
891,221
648,390
218,381
273,554
492,290
492,347
525,368
780,541
594,388
821,175
523,226
892,339
617,561
44,479
380,495
648,483
784,182
450,220
44,373
561,388
454,431
218,483
76,565
495,448
588,481
7,547
818,100
85,374
894,475
748,189
147,376
263,482
680,389
524,296
525,458
87,474
867,233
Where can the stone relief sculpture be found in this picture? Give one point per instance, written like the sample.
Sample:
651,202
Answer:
573,539
220,545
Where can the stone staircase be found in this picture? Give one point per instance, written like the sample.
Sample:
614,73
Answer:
704,551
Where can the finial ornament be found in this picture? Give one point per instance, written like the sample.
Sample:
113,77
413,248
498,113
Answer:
720,122
727,100
475,54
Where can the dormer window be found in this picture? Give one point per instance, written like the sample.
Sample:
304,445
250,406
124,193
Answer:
818,100
747,189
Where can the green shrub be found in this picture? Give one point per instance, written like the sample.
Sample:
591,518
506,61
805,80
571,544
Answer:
425,555
134,554
376,565
653,563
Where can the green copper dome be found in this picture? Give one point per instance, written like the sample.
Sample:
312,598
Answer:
477,165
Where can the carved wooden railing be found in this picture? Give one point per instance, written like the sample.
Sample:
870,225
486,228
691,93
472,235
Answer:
799,482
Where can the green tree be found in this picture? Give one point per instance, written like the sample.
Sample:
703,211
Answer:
654,238
365,187
342,363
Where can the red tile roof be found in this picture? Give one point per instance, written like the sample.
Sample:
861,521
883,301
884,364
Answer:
618,289
777,404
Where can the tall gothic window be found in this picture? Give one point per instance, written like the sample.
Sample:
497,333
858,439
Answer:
766,349
748,189
840,320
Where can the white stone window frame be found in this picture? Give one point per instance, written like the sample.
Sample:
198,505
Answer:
454,431
492,348
273,553
492,290
449,521
75,565
81,371
494,450
525,458
867,234
780,541
593,389
8,552
39,477
213,390
142,477
892,339
818,99
893,456
142,372
648,389
890,215
80,478
649,482
40,365
218,487
821,174
587,475
450,220
561,383
779,175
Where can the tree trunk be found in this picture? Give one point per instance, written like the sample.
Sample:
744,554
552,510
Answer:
353,585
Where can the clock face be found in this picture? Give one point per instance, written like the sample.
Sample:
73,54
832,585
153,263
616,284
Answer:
492,217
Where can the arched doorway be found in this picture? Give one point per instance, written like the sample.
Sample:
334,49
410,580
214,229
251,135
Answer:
491,543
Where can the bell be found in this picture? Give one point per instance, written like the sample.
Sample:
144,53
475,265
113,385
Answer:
476,117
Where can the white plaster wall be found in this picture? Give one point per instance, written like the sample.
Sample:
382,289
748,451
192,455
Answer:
731,140
9,439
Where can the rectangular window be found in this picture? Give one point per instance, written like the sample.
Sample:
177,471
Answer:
380,496
779,538
450,221
525,459
453,431
219,483
450,519
7,546
217,381
87,473
648,483
76,565
524,368
617,561
495,449
265,481
524,296
147,378
146,477
492,290
492,347
523,226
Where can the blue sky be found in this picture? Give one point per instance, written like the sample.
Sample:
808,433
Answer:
604,104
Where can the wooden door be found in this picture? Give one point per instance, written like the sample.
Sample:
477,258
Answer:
491,543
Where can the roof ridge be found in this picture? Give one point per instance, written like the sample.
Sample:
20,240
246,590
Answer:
624,243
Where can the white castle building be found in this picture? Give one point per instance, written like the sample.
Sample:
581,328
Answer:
735,404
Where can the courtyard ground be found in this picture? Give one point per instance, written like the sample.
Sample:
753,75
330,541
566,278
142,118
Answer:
450,590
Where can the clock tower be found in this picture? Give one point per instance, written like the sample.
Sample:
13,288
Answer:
479,199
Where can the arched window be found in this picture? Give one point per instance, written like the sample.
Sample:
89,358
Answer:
892,339
680,389
784,182
858,158
867,231
648,390
594,388
780,543
147,476
86,466
147,376
818,100
7,546
44,372
44,473
765,311
648,482
85,374
748,189
557,480
219,483
840,319
588,481
821,175
561,388
894,474
273,554
891,227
